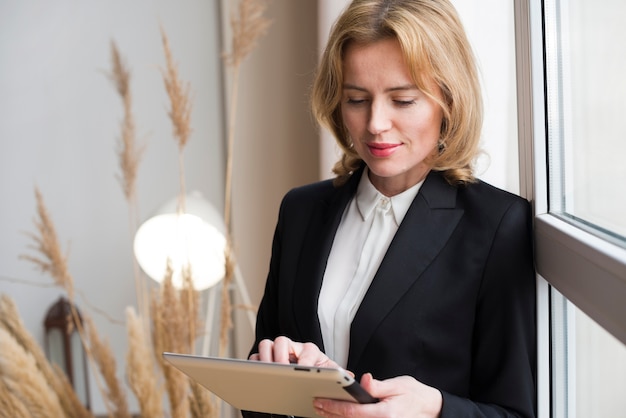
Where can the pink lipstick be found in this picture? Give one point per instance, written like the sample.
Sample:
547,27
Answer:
382,149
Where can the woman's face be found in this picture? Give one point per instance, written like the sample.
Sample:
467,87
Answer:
393,125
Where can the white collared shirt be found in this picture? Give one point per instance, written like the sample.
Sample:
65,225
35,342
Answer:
342,292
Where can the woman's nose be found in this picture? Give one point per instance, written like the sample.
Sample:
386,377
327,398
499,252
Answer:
379,119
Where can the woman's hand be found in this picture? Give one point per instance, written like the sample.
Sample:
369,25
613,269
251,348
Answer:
284,350
399,397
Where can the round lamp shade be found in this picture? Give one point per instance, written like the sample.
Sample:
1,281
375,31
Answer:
185,240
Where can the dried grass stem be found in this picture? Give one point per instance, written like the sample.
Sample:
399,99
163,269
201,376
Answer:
248,26
129,155
53,261
180,111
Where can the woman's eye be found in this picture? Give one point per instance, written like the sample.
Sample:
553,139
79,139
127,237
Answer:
404,102
354,101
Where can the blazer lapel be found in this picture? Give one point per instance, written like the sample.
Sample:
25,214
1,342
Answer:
315,251
427,226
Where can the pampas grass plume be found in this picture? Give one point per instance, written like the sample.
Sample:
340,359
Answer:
24,380
114,396
10,405
129,155
169,335
178,92
54,261
200,402
56,378
128,152
247,27
141,368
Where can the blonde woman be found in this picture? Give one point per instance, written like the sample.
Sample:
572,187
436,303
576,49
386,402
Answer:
406,269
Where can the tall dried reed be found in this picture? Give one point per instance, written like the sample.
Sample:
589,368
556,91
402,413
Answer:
179,113
55,263
248,25
114,396
10,320
10,405
169,334
24,379
175,313
201,404
129,154
141,369
190,300
52,259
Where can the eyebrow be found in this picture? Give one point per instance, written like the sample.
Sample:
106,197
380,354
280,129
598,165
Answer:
348,86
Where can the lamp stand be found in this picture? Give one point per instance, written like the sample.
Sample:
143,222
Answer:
212,299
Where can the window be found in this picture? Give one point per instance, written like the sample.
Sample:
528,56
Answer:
585,107
569,70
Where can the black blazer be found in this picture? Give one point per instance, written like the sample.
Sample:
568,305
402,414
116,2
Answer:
452,304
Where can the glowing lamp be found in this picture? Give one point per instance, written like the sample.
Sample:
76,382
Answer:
194,238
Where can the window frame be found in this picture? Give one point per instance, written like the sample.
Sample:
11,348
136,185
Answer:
566,255
586,269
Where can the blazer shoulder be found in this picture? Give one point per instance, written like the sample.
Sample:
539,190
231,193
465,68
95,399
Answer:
324,191
488,205
311,191
485,194
308,195
479,196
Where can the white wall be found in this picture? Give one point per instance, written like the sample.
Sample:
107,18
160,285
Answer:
490,29
60,123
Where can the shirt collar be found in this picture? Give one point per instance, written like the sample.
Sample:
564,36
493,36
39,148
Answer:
367,197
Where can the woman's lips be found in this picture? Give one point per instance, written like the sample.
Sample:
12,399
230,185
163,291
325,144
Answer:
382,150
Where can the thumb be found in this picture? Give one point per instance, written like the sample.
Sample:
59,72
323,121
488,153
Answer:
378,388
371,385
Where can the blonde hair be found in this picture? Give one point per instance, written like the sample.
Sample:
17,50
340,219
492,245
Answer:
435,48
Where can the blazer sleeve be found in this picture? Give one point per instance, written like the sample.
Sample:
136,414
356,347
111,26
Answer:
504,343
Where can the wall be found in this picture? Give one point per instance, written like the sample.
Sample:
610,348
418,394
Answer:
277,145
490,29
61,117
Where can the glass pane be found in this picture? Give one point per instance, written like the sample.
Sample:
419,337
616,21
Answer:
56,347
79,371
586,63
600,371
562,369
588,365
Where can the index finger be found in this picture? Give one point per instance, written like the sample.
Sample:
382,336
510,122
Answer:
311,355
286,350
266,350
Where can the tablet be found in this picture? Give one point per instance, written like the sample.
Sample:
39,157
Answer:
286,389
